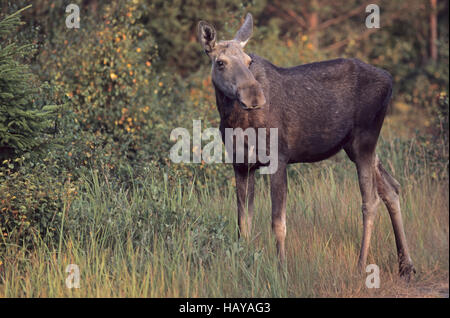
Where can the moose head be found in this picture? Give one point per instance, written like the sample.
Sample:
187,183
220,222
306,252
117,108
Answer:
231,65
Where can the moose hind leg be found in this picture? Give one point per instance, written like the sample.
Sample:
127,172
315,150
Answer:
388,188
370,201
278,191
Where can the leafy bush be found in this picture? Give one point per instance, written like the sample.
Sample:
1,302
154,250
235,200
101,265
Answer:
32,200
108,76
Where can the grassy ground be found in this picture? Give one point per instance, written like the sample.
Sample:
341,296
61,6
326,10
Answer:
162,239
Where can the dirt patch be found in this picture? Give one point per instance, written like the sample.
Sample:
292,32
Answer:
438,289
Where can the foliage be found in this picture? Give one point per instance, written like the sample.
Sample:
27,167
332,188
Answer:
107,75
32,200
22,120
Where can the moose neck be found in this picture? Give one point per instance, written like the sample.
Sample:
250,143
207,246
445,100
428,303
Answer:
225,105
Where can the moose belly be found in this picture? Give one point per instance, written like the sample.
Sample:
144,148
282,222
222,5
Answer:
317,145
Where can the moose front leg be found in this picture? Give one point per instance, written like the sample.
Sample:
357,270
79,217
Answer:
278,192
245,192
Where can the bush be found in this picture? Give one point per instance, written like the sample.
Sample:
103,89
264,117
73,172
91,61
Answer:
23,121
32,200
108,76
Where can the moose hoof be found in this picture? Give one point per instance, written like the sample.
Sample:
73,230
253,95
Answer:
407,271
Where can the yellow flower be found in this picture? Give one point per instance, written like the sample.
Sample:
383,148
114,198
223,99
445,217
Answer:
304,38
138,49
160,84
113,76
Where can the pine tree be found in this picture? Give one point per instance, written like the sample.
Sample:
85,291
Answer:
22,122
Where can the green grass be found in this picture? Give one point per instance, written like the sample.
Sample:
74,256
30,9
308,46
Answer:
161,238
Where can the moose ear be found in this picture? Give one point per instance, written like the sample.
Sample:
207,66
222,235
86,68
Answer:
206,36
246,31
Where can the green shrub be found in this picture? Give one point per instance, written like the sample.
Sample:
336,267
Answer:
22,121
32,200
31,181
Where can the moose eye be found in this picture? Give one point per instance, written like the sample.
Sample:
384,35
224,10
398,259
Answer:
220,64
251,62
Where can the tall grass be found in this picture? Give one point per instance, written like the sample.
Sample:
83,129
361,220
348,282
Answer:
165,239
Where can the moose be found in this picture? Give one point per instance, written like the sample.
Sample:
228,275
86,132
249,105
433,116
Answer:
318,109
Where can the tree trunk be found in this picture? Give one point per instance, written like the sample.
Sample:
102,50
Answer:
433,30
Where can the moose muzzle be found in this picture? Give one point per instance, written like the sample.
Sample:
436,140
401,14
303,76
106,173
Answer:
251,96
